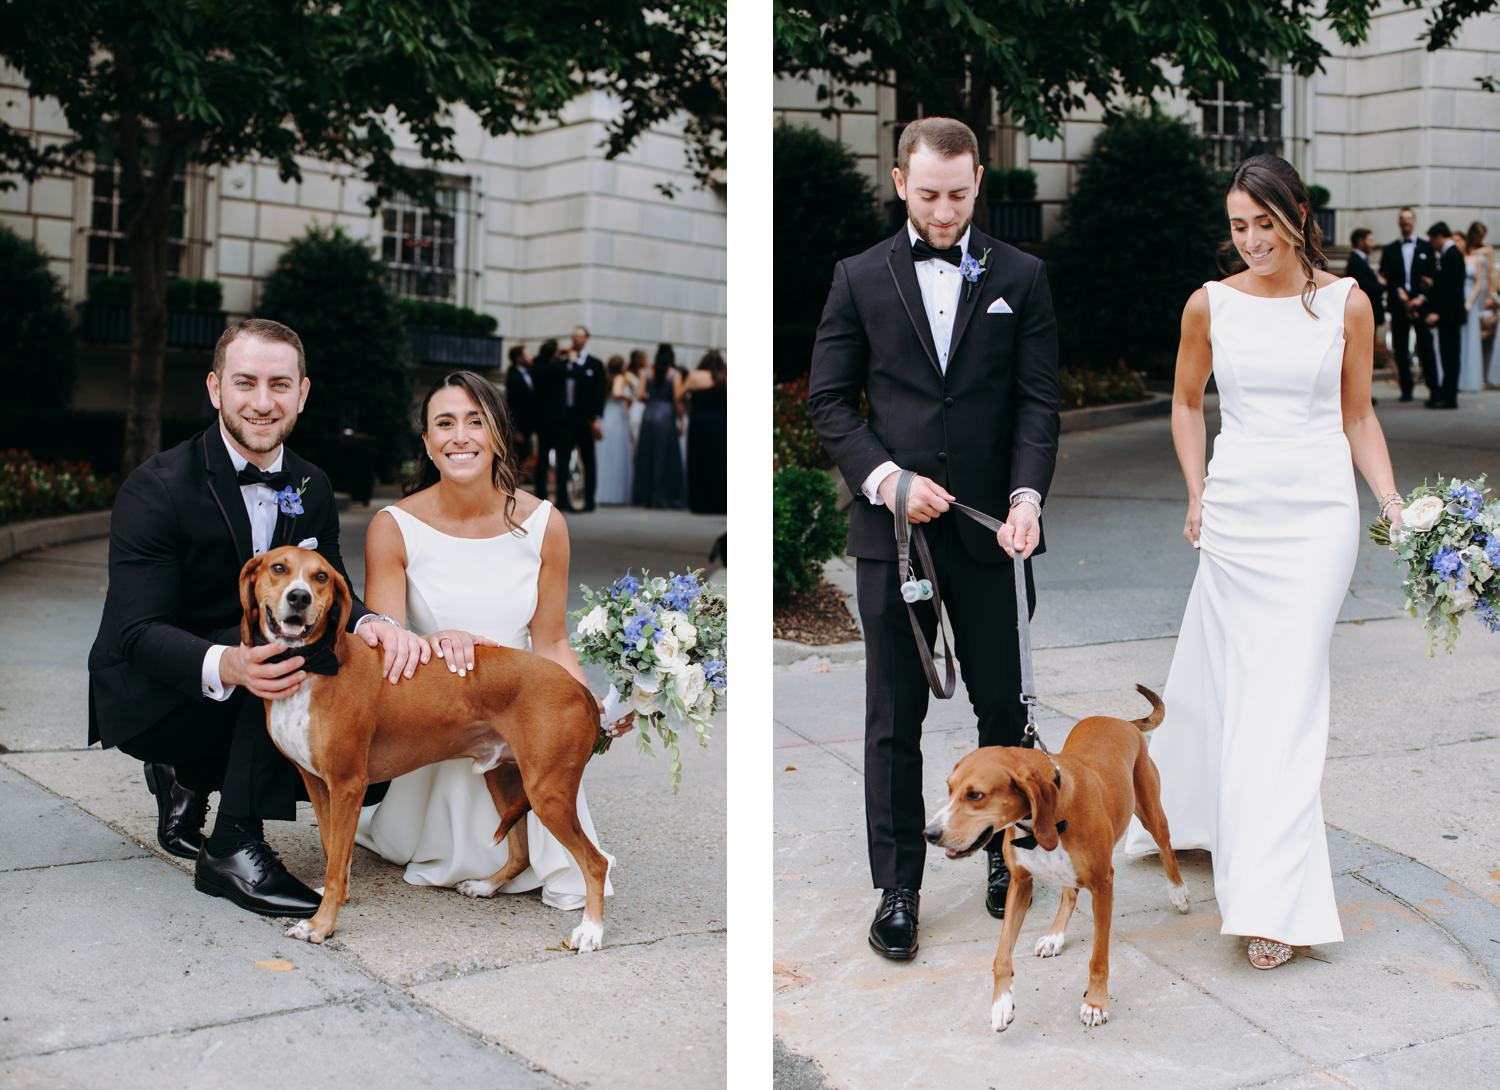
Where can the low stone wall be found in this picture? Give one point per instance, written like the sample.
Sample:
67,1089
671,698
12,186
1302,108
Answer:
23,537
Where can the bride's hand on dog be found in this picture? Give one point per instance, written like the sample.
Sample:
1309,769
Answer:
247,667
456,647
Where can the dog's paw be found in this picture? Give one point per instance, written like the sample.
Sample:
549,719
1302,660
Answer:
303,929
476,887
1049,946
1091,1015
589,935
1178,895
1003,1013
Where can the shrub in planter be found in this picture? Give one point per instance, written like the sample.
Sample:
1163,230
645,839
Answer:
29,489
40,360
431,314
1148,171
1020,184
182,293
331,289
1318,196
111,290
1112,386
807,528
825,211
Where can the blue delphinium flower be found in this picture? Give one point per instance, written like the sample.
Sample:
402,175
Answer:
635,628
625,586
713,673
1492,550
1488,612
1469,500
289,501
682,592
1448,563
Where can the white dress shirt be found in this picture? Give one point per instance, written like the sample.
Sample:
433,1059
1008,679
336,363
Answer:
1408,252
940,283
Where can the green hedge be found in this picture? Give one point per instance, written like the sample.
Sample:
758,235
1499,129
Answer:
182,293
30,489
807,528
39,360
1111,386
445,316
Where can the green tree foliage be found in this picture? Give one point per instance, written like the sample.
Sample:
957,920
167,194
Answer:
825,210
330,289
162,84
1144,181
807,528
40,361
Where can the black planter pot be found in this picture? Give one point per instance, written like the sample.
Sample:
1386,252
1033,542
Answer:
1326,218
439,347
109,323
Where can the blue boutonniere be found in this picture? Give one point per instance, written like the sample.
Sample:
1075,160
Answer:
289,499
971,270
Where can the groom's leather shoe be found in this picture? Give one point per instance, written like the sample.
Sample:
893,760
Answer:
180,812
996,886
252,877
893,934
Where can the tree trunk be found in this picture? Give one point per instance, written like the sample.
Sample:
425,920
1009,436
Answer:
146,245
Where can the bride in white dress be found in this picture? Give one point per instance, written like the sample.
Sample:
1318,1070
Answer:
467,558
1276,521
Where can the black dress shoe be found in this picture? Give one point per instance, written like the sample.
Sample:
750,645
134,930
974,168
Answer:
252,877
180,812
1404,397
996,886
893,933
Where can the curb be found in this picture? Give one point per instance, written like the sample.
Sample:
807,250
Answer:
24,537
1109,416
790,653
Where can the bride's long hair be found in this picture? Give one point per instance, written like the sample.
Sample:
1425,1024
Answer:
1275,185
495,417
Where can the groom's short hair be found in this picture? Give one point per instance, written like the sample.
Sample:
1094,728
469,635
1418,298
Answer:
266,330
945,135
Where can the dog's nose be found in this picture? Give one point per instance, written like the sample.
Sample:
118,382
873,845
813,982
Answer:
298,598
933,833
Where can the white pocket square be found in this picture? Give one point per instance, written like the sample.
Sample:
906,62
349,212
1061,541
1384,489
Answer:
308,543
999,306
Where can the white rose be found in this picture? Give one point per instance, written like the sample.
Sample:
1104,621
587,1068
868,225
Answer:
687,635
596,623
1462,598
669,619
643,702
1423,515
690,683
668,652
705,705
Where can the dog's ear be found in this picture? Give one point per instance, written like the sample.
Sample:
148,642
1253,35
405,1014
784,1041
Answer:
1042,795
343,605
249,610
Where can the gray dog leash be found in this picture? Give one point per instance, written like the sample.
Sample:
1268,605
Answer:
915,590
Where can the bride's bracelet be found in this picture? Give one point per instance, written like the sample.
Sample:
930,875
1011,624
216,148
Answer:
1394,497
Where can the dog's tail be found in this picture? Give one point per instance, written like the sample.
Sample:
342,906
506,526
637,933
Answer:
513,813
1158,710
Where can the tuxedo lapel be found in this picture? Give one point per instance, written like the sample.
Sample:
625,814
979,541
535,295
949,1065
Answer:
226,490
969,294
285,532
904,272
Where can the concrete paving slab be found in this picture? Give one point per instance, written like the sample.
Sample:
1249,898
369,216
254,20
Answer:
55,832
370,1040
588,1015
1464,1059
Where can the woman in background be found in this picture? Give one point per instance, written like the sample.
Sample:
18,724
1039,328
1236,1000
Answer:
708,436
612,453
658,456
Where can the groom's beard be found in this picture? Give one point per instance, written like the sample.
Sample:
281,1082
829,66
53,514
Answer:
950,235
260,444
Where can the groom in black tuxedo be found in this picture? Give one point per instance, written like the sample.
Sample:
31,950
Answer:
169,681
959,368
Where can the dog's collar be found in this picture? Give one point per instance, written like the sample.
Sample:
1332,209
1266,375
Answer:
1027,842
320,657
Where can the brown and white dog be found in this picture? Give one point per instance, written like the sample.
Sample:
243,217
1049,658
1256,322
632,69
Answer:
1078,813
528,725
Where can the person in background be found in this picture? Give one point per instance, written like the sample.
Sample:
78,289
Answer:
708,436
1408,266
520,399
635,372
1361,246
612,451
1479,262
549,377
658,456
1445,313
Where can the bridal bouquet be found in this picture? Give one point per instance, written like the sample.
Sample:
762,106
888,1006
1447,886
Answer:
662,641
1450,544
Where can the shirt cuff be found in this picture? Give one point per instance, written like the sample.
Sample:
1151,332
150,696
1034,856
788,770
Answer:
213,687
871,487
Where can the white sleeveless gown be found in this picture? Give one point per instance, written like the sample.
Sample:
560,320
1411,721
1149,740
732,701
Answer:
1242,747
439,820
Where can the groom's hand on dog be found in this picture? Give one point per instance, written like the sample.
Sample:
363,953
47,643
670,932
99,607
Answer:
1021,532
924,502
247,667
401,651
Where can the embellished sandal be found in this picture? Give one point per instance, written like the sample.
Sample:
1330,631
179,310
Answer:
1268,953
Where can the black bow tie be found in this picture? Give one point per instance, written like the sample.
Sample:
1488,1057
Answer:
255,475
921,251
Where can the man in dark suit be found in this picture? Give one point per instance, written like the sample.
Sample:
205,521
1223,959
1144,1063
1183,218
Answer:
520,402
170,682
1447,312
1361,245
958,362
586,391
1408,265
549,376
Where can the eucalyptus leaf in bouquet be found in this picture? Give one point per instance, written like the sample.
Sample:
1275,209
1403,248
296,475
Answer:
1449,544
663,642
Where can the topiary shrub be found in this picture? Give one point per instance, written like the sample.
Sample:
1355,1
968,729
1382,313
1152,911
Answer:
39,366
1140,234
1020,184
807,528
430,314
330,288
825,211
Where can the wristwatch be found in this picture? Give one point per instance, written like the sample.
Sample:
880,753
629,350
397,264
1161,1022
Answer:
386,617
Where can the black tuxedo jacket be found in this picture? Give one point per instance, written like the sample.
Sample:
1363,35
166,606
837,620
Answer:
587,373
1369,283
1423,266
987,427
520,399
549,378
178,536
1447,295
